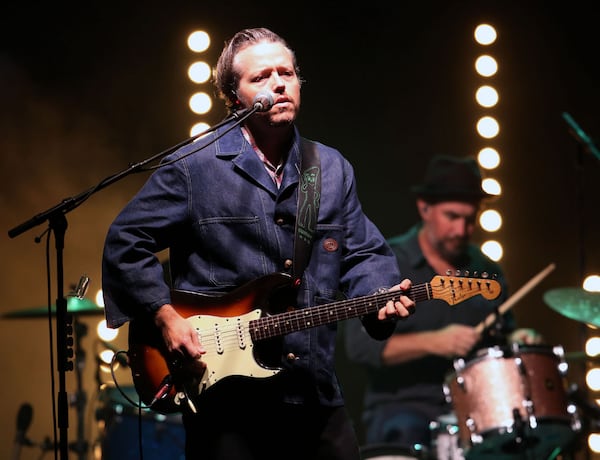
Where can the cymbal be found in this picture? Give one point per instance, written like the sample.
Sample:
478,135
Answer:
575,303
75,306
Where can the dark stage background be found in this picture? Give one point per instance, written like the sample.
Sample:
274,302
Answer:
86,90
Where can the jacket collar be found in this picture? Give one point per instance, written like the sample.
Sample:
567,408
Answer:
234,146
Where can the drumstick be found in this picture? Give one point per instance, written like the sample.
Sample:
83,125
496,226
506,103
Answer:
515,297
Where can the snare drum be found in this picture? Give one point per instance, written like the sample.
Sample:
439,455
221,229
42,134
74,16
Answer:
512,399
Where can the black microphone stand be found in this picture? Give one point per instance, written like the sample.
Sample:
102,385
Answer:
57,222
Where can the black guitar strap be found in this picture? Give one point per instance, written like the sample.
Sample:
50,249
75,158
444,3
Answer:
309,196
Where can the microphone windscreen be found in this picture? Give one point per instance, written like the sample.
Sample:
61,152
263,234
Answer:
24,417
263,101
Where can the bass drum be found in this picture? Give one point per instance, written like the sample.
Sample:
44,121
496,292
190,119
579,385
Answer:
162,436
392,452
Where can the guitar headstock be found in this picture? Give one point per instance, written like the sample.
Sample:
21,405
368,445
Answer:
455,289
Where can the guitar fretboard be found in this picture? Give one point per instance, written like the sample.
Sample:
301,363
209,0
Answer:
284,323
450,289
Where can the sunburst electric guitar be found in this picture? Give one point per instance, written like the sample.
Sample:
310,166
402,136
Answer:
234,328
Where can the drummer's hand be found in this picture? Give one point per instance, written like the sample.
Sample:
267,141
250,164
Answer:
525,336
456,340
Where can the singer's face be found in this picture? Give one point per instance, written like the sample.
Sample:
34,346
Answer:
269,67
449,226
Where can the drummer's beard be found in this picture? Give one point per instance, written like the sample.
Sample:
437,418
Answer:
453,250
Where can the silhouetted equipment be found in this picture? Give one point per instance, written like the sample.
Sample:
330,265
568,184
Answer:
24,417
163,436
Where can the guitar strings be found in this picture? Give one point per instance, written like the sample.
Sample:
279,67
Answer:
224,334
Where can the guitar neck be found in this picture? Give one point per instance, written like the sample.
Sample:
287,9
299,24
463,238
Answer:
276,325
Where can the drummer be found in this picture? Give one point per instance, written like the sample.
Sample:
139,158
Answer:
406,373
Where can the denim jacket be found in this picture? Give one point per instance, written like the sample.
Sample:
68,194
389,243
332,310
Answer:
213,205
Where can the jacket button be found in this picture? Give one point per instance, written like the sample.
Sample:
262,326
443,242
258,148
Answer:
330,245
288,264
279,221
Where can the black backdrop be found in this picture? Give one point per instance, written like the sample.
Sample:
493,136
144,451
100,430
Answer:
88,89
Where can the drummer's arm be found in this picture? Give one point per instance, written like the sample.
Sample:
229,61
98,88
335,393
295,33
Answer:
451,341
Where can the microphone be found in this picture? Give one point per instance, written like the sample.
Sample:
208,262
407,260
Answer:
24,417
263,101
82,287
580,135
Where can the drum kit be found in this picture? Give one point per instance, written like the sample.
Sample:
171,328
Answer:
122,426
511,402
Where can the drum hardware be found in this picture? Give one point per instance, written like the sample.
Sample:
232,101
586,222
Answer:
588,408
126,425
76,306
444,440
123,423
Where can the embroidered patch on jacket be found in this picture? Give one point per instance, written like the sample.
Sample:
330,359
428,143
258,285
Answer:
307,214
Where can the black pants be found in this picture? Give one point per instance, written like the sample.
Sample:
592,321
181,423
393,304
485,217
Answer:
271,431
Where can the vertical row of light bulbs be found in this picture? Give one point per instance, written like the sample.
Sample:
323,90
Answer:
200,102
199,72
488,128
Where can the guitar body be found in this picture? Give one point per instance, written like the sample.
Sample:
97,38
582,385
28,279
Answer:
221,322
241,333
